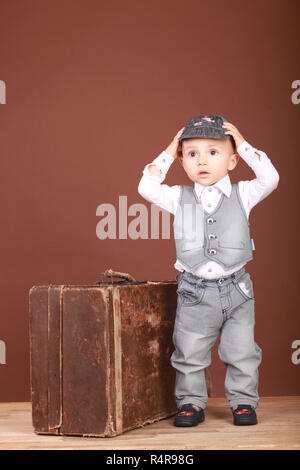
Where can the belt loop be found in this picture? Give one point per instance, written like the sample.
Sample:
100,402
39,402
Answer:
233,277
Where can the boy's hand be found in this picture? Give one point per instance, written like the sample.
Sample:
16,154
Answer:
232,130
239,139
173,148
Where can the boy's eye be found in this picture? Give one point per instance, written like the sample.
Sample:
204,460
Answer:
212,152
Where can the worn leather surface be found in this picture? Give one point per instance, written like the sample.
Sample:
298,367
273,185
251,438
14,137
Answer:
100,356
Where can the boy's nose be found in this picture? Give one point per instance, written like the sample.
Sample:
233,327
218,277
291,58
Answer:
201,159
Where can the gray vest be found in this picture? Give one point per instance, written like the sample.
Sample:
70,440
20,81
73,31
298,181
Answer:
222,236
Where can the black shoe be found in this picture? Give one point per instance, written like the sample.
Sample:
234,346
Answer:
244,415
188,416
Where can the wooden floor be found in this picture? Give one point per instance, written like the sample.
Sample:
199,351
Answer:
278,428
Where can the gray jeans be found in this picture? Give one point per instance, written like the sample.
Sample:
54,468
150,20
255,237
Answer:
205,309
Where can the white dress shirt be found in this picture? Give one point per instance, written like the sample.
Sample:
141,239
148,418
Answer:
251,191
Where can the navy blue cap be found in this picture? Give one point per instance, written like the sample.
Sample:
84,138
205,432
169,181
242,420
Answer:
205,126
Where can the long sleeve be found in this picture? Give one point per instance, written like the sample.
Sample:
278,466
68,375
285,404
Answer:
151,188
267,177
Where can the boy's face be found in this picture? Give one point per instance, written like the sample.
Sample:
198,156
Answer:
215,157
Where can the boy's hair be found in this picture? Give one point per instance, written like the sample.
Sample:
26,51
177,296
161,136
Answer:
233,143
231,140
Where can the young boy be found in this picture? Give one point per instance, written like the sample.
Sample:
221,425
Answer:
213,244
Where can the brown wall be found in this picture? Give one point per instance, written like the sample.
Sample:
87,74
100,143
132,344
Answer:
95,90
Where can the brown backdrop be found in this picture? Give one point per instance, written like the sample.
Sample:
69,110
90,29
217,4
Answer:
95,90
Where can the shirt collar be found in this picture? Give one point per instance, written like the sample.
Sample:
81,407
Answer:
224,185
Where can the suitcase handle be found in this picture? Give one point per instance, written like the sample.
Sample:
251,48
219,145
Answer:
111,273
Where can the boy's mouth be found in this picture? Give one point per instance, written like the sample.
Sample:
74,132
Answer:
203,173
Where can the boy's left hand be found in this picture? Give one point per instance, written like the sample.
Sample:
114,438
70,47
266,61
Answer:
231,129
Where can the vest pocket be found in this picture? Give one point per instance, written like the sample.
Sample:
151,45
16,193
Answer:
191,245
232,244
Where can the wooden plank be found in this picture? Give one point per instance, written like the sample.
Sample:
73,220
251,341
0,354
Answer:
274,431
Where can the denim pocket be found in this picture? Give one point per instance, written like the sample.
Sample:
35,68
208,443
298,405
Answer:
245,287
189,295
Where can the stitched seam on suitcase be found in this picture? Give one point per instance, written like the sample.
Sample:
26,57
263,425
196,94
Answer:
52,348
118,359
61,355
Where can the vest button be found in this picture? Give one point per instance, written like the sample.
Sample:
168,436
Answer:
211,236
212,251
210,221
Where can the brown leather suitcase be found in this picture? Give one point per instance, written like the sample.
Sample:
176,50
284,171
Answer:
100,355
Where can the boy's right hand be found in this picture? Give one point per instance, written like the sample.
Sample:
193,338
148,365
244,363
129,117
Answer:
173,148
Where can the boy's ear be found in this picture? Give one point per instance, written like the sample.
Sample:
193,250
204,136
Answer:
237,157
234,161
